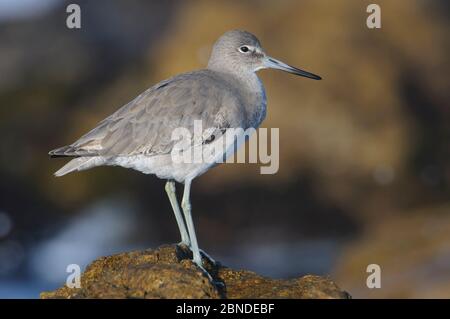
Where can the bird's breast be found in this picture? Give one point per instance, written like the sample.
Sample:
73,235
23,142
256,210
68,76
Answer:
256,104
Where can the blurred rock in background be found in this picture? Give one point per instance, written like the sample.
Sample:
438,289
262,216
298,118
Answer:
364,154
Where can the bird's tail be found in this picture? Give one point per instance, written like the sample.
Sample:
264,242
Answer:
77,164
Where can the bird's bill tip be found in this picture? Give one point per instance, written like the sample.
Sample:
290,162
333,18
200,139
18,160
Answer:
276,64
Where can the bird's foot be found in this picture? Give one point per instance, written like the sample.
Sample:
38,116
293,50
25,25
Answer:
205,255
209,258
199,263
185,243
218,284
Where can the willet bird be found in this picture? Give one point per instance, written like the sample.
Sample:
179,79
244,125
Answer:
227,94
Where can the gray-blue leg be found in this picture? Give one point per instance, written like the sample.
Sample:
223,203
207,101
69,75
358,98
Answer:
186,205
170,190
207,256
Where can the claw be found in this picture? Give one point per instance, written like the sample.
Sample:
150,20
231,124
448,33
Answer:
208,257
202,252
199,264
216,283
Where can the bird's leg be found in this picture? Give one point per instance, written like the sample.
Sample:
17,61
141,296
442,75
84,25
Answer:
186,205
170,190
207,256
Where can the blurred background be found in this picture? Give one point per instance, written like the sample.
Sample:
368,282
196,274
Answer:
364,164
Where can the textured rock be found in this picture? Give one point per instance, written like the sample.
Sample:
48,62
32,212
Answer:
167,272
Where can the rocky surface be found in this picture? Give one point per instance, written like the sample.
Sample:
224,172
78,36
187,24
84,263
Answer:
167,272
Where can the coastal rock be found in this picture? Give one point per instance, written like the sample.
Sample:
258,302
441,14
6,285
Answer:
167,272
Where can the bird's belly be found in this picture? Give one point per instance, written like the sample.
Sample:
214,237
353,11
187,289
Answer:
160,165
165,167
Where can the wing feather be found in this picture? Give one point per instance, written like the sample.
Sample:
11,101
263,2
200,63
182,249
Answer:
145,125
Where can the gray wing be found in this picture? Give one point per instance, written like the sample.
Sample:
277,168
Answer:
145,125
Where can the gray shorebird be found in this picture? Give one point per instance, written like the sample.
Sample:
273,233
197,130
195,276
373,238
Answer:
227,94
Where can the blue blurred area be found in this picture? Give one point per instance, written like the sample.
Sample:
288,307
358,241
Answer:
22,9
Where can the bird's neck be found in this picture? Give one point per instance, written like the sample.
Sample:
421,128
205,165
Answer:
252,92
241,79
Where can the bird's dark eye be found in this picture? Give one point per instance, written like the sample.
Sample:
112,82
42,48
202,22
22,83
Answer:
244,49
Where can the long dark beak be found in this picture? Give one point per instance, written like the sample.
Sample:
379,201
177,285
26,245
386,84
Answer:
276,64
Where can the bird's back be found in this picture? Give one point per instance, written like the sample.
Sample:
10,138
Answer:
145,125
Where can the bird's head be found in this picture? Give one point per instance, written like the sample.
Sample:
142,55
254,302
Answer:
241,51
